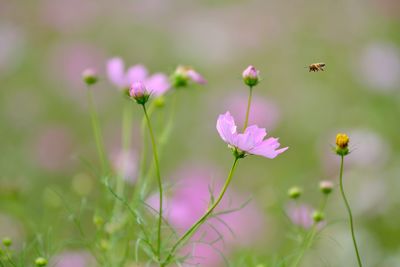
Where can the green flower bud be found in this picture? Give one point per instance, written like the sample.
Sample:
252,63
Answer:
318,216
7,242
326,187
89,76
295,192
40,262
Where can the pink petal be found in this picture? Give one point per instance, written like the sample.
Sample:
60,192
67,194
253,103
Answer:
115,72
137,73
227,128
256,133
196,77
268,149
158,84
244,142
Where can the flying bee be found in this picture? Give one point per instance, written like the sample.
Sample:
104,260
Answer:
316,67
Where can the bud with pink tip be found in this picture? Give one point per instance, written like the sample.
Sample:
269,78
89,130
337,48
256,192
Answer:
139,92
251,76
326,187
184,75
89,76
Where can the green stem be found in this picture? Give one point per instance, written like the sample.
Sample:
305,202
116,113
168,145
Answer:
349,212
203,218
160,188
97,133
248,109
126,142
306,244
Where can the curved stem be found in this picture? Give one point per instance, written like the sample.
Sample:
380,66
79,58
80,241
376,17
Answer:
160,188
203,218
246,121
97,133
349,212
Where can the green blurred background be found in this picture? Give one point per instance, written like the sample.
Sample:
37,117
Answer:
45,126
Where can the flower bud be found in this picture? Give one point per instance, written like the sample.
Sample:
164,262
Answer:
104,245
98,221
251,76
89,76
139,92
40,262
318,216
7,242
326,187
184,74
342,144
159,102
295,192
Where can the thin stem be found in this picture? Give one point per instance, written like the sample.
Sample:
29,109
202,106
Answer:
97,133
160,188
203,218
126,143
248,108
349,212
310,235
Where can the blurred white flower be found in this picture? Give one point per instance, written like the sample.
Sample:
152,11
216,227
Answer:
379,66
12,44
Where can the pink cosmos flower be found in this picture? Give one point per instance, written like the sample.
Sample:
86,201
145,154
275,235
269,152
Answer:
157,83
72,258
251,141
190,199
300,215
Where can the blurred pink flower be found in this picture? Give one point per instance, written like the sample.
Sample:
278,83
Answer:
72,259
66,63
379,66
125,164
53,148
68,15
158,83
190,199
300,215
251,141
262,112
